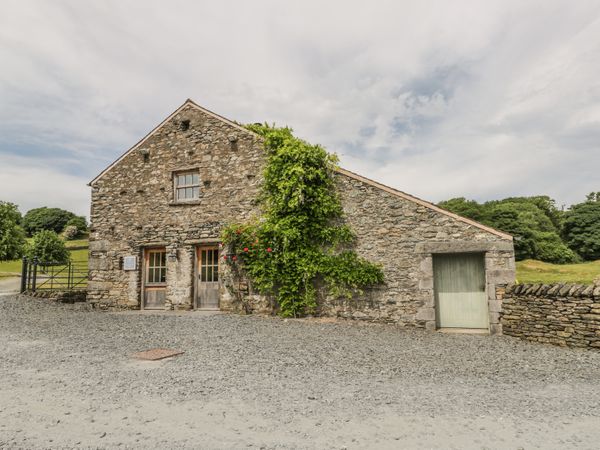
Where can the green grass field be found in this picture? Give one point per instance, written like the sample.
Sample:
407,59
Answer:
10,268
532,271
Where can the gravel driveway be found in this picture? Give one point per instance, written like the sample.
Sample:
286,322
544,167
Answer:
68,380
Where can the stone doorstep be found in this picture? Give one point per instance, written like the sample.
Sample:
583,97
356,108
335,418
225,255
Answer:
162,312
483,331
157,353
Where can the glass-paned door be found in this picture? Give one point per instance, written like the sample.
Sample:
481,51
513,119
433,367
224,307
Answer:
155,280
208,278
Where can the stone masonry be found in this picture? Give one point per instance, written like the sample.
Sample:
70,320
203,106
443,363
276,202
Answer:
133,209
559,314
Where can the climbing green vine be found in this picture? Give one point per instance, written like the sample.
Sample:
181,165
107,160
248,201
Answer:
301,244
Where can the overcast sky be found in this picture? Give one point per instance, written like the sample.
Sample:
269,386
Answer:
481,99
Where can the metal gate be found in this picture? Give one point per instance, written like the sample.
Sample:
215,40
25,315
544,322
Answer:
53,276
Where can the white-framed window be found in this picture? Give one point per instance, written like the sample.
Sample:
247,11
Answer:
187,185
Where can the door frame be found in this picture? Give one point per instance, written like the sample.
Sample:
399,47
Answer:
485,329
196,269
144,268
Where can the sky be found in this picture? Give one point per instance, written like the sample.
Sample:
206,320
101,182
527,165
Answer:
476,99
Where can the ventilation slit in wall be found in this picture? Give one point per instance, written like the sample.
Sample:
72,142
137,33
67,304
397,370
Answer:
184,125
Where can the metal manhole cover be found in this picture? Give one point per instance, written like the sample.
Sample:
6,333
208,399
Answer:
155,354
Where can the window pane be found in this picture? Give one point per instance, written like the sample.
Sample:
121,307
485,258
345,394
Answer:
195,179
216,274
188,192
188,179
215,257
180,180
196,192
163,259
163,275
209,273
180,194
150,276
203,274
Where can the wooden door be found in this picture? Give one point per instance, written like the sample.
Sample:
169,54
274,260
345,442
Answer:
155,278
207,296
459,283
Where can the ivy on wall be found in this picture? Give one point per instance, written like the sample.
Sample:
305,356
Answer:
301,244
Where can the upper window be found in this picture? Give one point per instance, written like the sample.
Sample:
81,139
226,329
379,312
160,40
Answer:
187,186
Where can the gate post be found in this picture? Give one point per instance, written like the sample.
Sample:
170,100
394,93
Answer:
35,264
24,275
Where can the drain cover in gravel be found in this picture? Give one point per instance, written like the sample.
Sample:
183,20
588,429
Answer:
157,353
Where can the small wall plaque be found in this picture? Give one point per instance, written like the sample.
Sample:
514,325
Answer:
130,263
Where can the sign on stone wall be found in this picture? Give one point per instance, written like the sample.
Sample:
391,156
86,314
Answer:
130,263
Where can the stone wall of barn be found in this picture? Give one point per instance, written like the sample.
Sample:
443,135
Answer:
402,236
133,205
559,314
133,209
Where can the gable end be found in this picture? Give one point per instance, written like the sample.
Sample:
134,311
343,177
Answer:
188,102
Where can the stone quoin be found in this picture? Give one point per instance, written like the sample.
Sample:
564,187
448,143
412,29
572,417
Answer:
157,213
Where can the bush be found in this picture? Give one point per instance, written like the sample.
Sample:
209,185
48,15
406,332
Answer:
582,229
12,236
47,246
70,232
53,219
300,244
78,222
535,223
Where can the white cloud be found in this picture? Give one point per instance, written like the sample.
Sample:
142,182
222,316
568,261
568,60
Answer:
32,185
467,98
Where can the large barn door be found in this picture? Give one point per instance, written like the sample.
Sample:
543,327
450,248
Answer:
208,278
459,283
155,278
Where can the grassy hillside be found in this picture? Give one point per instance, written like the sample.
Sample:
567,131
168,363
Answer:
532,271
80,253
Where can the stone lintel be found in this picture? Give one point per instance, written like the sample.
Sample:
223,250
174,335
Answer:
463,246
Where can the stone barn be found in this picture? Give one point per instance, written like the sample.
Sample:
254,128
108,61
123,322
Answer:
158,210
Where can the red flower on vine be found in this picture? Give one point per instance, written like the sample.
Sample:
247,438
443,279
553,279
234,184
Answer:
234,258
245,249
224,256
269,249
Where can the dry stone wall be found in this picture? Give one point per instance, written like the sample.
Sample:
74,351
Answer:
560,314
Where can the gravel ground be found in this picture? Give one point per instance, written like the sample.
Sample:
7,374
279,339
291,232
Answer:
68,380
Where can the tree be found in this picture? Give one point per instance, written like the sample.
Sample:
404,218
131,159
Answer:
53,219
79,222
47,246
70,232
12,236
535,223
582,228
464,207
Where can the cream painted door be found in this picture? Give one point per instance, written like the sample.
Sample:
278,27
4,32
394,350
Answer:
459,283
